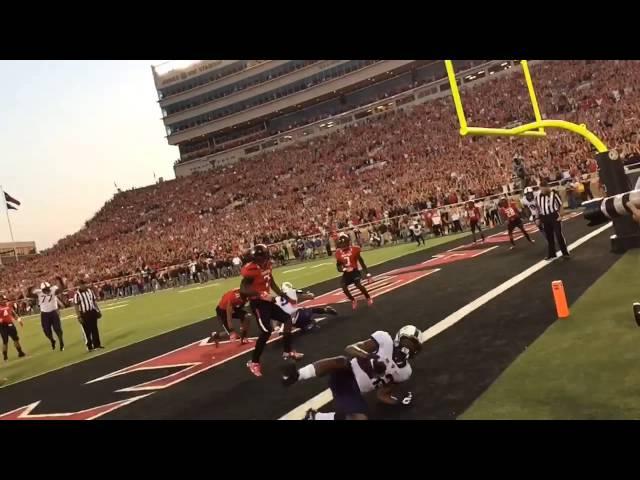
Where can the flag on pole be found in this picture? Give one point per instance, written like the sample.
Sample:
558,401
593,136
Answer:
12,203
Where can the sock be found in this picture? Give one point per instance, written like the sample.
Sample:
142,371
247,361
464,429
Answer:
307,372
325,416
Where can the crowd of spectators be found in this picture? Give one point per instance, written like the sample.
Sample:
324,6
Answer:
399,162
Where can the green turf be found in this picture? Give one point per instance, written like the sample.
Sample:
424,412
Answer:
130,320
585,367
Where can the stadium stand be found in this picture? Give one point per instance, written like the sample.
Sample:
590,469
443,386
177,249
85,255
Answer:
399,163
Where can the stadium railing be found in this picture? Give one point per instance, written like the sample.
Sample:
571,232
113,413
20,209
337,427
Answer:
513,195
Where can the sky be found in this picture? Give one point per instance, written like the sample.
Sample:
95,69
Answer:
68,131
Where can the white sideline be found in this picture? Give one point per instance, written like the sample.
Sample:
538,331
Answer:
325,397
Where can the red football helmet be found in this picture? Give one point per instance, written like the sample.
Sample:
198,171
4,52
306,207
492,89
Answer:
261,254
343,241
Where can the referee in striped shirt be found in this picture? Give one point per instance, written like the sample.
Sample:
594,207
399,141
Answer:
550,206
88,314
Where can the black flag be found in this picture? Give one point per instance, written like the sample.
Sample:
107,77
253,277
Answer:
11,202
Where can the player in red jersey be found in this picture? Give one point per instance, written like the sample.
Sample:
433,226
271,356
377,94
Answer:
473,213
512,214
257,283
231,306
347,259
8,328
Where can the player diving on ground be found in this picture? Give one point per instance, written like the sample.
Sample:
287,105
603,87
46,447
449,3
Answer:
378,363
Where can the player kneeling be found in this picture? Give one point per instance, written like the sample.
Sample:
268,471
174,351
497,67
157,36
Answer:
378,363
302,318
347,259
230,307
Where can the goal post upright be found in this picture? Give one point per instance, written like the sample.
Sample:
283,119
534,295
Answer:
611,168
532,129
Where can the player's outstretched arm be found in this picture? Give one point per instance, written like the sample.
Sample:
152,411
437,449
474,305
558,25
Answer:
366,349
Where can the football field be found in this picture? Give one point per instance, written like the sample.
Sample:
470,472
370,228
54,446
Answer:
493,346
133,319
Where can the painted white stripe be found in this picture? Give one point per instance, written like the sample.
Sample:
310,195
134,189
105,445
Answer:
113,307
198,288
321,265
325,397
294,270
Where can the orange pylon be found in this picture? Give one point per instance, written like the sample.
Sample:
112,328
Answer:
560,298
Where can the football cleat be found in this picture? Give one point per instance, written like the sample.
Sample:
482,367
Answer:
214,338
255,368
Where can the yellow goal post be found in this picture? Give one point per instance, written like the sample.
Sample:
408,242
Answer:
533,129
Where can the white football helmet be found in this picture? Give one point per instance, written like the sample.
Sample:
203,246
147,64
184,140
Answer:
44,285
414,334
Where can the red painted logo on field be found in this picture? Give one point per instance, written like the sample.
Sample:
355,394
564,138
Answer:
24,413
191,359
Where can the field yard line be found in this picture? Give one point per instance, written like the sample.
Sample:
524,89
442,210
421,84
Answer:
321,264
113,308
294,270
198,288
325,397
